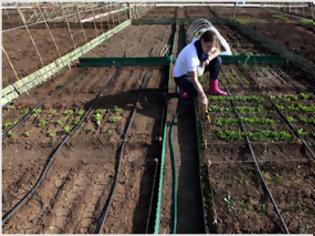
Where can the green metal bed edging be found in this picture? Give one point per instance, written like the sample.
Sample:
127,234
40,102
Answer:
164,143
44,74
160,188
162,61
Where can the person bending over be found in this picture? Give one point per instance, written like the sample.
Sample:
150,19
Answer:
199,56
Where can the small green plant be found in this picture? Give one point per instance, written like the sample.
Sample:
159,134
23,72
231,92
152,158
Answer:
234,79
9,124
306,96
51,133
262,135
246,109
80,112
216,108
98,117
247,120
280,107
290,119
25,110
307,120
229,135
117,109
262,208
11,134
42,123
77,120
245,205
100,111
230,202
114,119
285,98
281,136
109,131
91,128
306,108
67,129
259,121
52,112
68,112
225,121
244,80
251,98
36,112
11,107
26,134
301,132
61,123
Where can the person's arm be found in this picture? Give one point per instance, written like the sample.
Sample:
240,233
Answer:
213,54
223,42
199,89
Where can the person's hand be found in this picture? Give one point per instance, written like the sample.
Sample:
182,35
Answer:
206,62
213,54
204,102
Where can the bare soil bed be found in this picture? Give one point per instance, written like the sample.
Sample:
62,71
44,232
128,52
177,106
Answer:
161,12
295,37
295,34
150,38
241,206
67,202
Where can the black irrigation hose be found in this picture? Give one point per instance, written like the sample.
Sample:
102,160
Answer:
292,128
257,165
27,115
105,210
52,157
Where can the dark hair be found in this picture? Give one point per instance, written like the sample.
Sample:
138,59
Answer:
208,36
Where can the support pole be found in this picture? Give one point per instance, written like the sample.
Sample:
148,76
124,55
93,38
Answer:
30,35
109,18
96,31
48,28
68,25
79,17
234,11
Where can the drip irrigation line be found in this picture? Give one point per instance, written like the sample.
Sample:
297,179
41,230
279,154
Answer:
264,161
121,152
285,227
52,157
309,149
